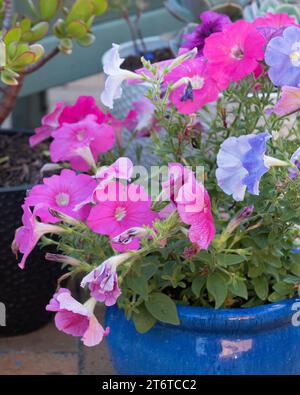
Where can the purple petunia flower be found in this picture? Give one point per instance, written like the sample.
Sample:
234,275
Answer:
212,22
295,159
241,164
283,57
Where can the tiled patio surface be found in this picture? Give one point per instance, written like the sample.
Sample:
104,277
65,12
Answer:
48,351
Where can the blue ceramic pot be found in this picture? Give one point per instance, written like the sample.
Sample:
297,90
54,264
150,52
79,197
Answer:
258,340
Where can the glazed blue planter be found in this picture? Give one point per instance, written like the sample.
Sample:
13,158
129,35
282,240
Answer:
258,340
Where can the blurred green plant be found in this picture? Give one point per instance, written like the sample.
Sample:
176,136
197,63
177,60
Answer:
261,7
21,52
122,7
189,10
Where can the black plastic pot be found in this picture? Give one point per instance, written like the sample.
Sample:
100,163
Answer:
25,293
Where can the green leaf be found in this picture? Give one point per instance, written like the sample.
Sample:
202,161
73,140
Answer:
261,287
9,77
66,46
13,35
25,59
48,8
81,9
143,320
239,288
163,308
25,24
230,259
87,40
100,6
217,287
295,269
77,29
282,288
197,284
138,284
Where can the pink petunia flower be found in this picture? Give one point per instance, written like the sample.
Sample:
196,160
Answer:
103,281
272,25
49,123
193,86
62,193
235,52
81,143
76,319
28,235
289,101
119,208
194,208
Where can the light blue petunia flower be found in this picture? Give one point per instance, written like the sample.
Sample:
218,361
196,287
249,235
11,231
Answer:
241,164
283,57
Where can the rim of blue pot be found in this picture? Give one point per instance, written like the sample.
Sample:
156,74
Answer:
22,187
252,319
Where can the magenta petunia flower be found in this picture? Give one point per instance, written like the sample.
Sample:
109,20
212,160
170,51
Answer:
81,143
62,193
28,235
235,52
76,319
211,22
103,281
289,101
49,123
84,106
272,25
119,208
194,208
193,86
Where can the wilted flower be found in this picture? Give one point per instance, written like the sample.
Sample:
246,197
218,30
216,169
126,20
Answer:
76,319
295,159
28,235
50,122
103,281
289,101
245,213
194,208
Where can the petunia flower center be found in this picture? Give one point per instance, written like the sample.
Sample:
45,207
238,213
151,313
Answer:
81,135
237,53
62,199
295,54
120,213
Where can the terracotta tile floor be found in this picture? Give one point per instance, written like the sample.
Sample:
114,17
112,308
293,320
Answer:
50,352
